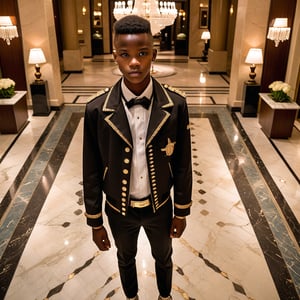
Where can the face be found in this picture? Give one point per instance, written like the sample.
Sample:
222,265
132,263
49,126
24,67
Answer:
134,54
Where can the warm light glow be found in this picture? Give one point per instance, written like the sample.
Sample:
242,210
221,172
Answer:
205,36
8,31
36,56
279,32
254,56
159,14
83,10
202,78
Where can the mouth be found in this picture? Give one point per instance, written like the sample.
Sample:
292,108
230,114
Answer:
134,73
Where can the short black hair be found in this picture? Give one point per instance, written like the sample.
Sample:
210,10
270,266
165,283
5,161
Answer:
132,24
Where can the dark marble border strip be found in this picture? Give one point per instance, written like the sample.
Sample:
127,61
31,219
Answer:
277,266
284,206
18,241
4,205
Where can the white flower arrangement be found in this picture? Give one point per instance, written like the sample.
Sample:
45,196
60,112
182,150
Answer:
7,88
280,91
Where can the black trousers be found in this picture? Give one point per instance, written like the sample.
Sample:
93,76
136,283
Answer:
125,231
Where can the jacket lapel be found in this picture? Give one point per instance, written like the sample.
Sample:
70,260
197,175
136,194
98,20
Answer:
159,114
117,118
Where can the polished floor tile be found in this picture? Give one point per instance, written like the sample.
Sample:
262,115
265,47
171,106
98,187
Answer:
242,238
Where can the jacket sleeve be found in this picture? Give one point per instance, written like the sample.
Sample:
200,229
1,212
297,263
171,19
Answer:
182,165
92,169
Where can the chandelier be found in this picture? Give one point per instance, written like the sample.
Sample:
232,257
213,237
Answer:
279,32
8,31
159,15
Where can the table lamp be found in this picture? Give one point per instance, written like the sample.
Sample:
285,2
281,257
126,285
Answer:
36,57
254,57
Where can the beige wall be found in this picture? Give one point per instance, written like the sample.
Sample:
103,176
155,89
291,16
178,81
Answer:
294,55
38,31
196,45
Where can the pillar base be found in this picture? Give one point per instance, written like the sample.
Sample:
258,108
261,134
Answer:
217,61
73,61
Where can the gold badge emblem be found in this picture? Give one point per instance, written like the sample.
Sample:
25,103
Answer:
169,149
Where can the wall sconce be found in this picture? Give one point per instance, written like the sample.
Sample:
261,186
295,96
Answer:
83,10
254,57
279,32
8,31
36,57
205,36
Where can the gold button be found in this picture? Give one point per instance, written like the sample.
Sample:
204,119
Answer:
124,188
124,181
127,149
126,161
123,214
125,171
124,194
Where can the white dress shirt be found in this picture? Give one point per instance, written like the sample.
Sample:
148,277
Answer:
138,118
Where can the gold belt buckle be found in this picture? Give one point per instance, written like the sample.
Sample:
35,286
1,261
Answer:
139,204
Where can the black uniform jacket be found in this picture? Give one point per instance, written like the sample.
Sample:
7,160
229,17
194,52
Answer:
107,152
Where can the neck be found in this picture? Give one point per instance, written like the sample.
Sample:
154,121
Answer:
139,88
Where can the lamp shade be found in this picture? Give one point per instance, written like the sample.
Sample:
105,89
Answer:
254,56
36,56
280,22
205,35
5,21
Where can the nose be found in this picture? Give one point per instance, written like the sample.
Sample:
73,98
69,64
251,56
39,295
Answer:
134,62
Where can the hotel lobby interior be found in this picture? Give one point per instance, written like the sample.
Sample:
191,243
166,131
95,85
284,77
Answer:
243,235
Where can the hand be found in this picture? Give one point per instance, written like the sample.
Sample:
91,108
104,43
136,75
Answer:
177,227
101,239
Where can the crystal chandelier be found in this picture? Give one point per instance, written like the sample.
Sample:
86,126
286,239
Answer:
159,15
279,32
8,31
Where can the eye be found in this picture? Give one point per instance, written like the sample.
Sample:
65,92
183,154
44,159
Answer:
143,53
124,54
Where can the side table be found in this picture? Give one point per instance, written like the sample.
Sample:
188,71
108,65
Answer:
40,98
250,99
13,113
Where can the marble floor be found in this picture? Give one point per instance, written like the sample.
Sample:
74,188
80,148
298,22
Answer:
243,235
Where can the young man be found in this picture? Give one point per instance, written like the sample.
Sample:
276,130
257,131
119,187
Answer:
136,153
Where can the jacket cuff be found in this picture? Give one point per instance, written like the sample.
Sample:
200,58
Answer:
94,220
182,210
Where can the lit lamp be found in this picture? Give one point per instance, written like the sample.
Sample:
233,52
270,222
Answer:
279,32
8,31
205,36
254,57
36,57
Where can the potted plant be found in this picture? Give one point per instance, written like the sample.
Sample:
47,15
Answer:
7,88
277,111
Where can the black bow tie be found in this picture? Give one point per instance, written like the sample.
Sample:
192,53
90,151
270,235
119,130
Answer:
145,102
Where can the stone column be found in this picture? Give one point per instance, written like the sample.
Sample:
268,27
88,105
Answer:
217,54
72,57
38,31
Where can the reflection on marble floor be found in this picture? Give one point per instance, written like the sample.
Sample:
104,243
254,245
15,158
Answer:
242,236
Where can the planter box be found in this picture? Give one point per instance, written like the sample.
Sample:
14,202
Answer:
13,113
276,119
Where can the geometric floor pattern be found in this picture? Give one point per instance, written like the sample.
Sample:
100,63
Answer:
230,244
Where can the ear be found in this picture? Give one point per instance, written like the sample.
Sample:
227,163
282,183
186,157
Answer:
154,54
114,54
